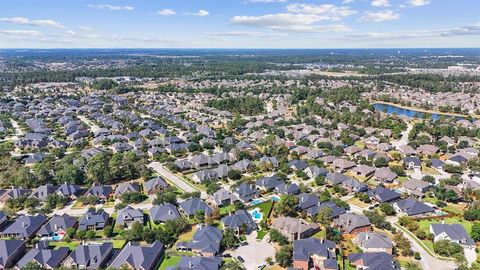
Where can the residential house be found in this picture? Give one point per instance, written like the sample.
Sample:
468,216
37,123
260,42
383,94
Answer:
314,172
381,195
412,207
57,225
24,227
268,183
246,193
205,242
126,187
69,190
416,187
363,170
155,185
374,242
191,206
452,232
205,175
197,263
313,253
297,165
437,164
164,212
222,197
93,220
102,192
384,175
373,261
457,160
127,216
10,252
288,189
238,221
352,224
136,256
343,165
13,193
411,163
90,256
45,258
294,228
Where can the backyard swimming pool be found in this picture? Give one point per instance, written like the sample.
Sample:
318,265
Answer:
256,214
257,201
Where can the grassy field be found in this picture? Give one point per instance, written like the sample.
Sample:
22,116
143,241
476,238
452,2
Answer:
425,224
320,234
187,236
169,261
58,244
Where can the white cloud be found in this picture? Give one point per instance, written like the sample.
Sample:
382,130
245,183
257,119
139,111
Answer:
85,28
469,30
245,34
381,16
330,10
27,21
166,12
289,22
201,13
419,3
347,1
21,33
267,1
112,7
380,3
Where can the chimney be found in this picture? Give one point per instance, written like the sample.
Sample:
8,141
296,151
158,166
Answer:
24,224
190,264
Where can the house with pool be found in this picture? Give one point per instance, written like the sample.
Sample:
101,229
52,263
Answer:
240,221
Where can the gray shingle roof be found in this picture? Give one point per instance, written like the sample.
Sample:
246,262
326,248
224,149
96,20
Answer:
139,257
57,222
164,212
92,256
191,205
25,226
47,258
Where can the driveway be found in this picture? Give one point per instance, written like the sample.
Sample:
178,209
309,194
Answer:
255,252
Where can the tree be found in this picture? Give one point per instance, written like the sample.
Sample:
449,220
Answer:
284,255
412,266
287,205
324,216
98,170
403,244
229,239
380,162
199,216
32,266
476,231
387,209
168,196
108,231
69,173
90,234
277,237
449,249
232,265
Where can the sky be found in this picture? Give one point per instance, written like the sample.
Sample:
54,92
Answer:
239,23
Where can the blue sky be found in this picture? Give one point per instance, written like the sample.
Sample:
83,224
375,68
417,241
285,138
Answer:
239,23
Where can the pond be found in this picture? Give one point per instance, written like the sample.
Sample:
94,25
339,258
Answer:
391,109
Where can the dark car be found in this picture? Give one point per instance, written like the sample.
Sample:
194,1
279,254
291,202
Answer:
240,259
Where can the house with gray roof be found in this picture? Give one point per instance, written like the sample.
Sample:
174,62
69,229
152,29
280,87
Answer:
374,242
164,212
191,206
236,221
205,175
102,192
416,187
384,175
437,164
269,162
93,220
363,170
381,195
411,163
246,193
287,189
24,227
46,258
3,220
314,253
223,197
314,172
412,207
452,232
90,256
373,261
352,224
57,225
352,185
343,165
127,216
205,242
69,190
10,252
126,188
136,256
268,183
297,165
13,193
197,263
294,228
155,185
43,191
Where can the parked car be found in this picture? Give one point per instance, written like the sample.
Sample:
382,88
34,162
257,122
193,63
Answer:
240,259
261,266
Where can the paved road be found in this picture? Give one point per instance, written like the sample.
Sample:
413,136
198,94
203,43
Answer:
427,262
404,139
177,181
255,253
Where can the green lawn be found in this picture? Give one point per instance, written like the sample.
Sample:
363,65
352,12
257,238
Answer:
58,244
226,210
118,243
265,207
425,224
320,235
261,234
169,261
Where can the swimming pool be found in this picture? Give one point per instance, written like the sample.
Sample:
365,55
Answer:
257,201
275,198
256,214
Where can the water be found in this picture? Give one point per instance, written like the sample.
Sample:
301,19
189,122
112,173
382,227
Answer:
391,109
275,198
256,215
257,201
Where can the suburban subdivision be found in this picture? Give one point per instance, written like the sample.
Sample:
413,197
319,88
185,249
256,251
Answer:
209,160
